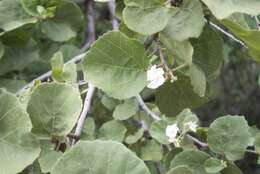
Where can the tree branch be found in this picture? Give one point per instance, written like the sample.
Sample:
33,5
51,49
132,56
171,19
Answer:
257,22
85,111
91,88
231,36
91,31
111,7
46,75
146,109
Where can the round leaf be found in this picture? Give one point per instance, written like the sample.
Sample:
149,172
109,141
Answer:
113,130
126,110
117,64
189,14
146,16
193,159
180,170
65,24
13,16
18,147
229,135
214,165
157,131
222,9
96,157
172,98
54,109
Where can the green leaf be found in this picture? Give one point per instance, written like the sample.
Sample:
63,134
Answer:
257,143
222,9
12,85
198,80
189,14
214,165
208,51
113,130
126,110
151,151
250,37
122,62
182,51
88,131
39,8
18,147
172,98
180,170
193,159
17,58
61,72
65,24
96,157
48,160
131,139
157,131
186,116
146,16
109,103
229,135
54,109
13,16
168,157
231,169
57,66
32,169
2,50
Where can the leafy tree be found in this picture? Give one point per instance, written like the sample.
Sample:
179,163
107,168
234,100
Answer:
77,97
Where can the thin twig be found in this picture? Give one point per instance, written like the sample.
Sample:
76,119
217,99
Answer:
150,40
257,22
85,111
111,7
146,109
91,88
90,32
46,75
231,36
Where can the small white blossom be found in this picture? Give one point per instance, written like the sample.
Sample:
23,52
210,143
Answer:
192,126
155,76
171,132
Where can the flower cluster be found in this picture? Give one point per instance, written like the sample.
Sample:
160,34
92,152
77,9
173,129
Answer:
173,130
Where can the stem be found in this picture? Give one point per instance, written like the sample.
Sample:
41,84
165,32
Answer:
90,32
231,36
150,40
111,7
146,109
46,75
91,88
85,111
257,22
162,57
180,67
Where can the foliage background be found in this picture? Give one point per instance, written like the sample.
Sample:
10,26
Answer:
236,91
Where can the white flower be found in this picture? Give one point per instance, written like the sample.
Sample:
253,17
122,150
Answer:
155,77
171,132
192,126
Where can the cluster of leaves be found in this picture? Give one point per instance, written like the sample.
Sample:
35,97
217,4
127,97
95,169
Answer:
36,127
